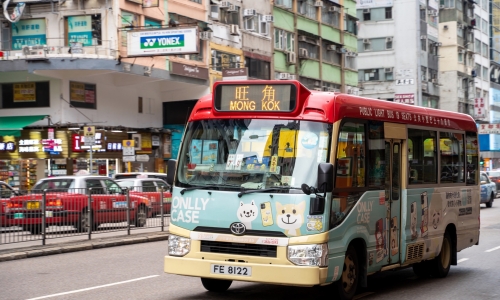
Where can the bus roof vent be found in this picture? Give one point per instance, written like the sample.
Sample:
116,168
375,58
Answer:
414,252
314,110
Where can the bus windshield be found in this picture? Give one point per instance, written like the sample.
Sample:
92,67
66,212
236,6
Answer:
252,153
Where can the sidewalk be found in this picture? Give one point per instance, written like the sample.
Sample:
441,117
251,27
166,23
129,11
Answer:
57,246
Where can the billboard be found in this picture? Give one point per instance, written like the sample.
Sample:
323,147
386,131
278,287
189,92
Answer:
162,42
28,33
80,30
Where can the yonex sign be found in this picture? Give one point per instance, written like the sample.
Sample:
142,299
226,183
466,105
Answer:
162,42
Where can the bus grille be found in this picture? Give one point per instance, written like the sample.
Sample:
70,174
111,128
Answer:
414,252
247,232
239,249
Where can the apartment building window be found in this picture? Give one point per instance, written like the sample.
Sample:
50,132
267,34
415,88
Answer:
83,29
284,40
350,24
367,45
478,93
284,3
423,43
477,46
129,21
459,5
311,46
150,23
478,70
485,73
388,12
433,74
35,94
484,51
433,48
461,56
367,13
307,8
484,4
230,16
350,62
222,60
448,3
330,14
388,43
485,26
256,24
258,68
424,73
422,14
371,75
460,30
196,1
430,102
329,52
389,74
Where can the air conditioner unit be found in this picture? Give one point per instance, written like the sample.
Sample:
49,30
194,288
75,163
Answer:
388,70
366,41
268,18
333,9
349,91
292,77
283,76
366,11
234,29
291,58
205,35
35,51
318,3
302,38
423,37
303,52
341,50
388,39
331,47
249,12
317,83
422,6
225,4
232,8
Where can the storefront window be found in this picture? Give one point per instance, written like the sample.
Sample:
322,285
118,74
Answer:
25,94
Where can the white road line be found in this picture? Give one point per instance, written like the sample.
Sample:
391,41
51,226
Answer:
462,260
493,249
93,288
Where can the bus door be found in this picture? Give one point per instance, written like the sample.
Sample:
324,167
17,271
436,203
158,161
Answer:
393,158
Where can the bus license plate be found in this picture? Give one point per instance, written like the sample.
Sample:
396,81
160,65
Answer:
33,205
230,270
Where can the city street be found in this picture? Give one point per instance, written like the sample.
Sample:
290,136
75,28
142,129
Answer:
136,272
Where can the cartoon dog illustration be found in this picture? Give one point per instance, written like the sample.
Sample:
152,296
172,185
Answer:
436,218
290,217
247,213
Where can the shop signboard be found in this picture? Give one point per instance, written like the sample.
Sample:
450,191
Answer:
479,109
155,141
7,146
128,147
162,41
32,145
28,32
79,145
82,92
235,74
405,98
24,92
142,158
189,71
80,30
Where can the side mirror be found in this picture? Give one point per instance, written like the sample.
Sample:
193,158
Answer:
171,166
325,177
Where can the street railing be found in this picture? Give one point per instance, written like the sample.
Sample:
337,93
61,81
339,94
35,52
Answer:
38,215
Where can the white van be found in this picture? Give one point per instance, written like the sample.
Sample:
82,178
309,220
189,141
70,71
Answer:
128,175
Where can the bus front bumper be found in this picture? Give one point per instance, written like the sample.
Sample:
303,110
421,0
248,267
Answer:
264,273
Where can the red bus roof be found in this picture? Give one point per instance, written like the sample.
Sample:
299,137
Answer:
330,107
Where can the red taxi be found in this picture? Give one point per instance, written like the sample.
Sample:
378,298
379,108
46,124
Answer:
150,188
6,191
67,199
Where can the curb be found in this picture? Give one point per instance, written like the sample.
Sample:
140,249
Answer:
82,246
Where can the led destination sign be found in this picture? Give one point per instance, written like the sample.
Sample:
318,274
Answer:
255,97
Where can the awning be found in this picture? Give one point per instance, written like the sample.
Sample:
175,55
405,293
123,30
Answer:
14,125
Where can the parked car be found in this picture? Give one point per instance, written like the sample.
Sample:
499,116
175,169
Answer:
151,189
488,190
67,199
6,192
495,177
128,175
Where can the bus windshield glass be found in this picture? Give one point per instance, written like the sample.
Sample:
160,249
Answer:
252,153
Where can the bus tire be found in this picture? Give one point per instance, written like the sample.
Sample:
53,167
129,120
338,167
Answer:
346,287
422,269
489,204
440,266
216,285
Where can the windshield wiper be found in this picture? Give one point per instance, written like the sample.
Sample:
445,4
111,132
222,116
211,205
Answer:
207,187
274,188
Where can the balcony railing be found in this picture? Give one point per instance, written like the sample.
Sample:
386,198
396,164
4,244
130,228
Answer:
55,48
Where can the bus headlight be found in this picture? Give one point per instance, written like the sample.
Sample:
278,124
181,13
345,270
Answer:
178,245
308,255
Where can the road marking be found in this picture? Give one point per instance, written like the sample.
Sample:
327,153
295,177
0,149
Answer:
94,287
462,260
493,249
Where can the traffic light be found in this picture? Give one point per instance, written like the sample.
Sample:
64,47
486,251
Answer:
481,162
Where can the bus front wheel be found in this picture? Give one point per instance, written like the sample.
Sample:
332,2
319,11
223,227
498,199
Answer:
346,287
216,285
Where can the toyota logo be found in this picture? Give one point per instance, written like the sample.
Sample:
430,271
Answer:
238,228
